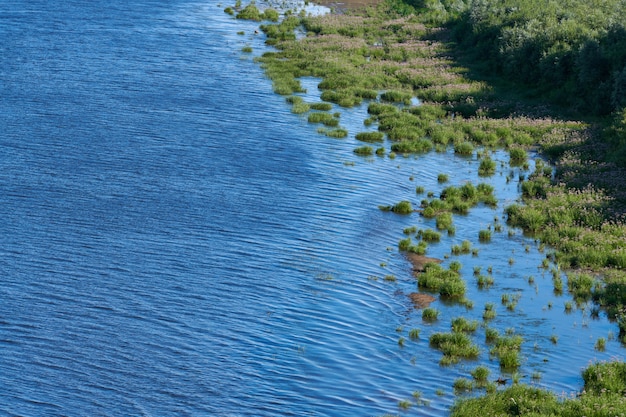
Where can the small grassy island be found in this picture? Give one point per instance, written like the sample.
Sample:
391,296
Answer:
518,75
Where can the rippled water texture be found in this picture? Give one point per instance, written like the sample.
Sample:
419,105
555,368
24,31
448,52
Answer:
173,241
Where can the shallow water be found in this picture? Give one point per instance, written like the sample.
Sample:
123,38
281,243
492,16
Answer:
176,242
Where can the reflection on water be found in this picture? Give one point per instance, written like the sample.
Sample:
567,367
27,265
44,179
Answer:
175,241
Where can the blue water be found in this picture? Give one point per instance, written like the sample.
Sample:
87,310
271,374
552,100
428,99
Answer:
173,241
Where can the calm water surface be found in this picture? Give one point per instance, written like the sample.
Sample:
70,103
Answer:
175,242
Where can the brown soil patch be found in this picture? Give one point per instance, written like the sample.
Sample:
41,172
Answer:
418,261
343,5
421,300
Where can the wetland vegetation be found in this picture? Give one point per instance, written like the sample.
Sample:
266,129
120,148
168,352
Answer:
555,83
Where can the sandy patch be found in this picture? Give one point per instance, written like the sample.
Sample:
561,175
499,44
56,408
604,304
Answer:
421,300
418,261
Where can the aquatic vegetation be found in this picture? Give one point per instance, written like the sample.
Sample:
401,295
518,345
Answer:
246,49
410,230
442,178
454,346
370,136
464,148
444,281
604,384
484,235
490,312
250,12
491,335
300,108
444,221
487,167
402,207
430,314
321,106
464,248
320,117
414,334
364,151
518,156
507,350
337,133
396,97
480,374
429,235
484,281
405,404
461,324
462,385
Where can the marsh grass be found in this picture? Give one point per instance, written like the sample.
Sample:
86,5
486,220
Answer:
507,350
446,282
604,384
484,235
487,167
321,106
454,346
429,235
370,136
490,312
461,324
430,314
402,207
364,151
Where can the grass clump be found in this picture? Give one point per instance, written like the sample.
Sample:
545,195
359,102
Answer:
480,374
484,235
464,148
429,235
364,151
337,133
446,282
484,281
461,324
402,207
507,350
321,106
490,312
370,136
454,346
430,314
414,334
487,167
